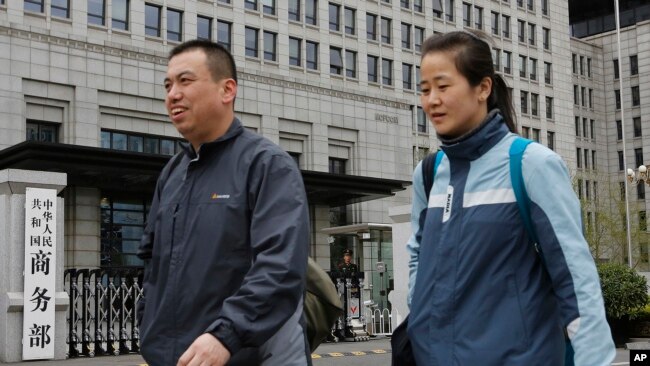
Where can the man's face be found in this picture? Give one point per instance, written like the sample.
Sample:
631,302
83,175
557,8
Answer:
347,258
197,105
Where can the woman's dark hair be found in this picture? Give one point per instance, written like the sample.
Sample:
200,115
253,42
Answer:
473,59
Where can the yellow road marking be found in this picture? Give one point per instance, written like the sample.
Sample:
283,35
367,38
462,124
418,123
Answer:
314,356
336,354
358,353
378,351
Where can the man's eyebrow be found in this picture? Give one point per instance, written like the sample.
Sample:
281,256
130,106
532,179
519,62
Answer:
182,73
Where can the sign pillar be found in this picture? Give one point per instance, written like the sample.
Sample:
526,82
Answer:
33,304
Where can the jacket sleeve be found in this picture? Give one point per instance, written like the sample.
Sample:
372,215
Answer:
279,238
418,207
556,214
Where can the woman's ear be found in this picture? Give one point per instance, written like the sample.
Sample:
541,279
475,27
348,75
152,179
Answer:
485,88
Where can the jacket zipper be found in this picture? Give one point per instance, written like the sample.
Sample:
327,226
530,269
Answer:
171,249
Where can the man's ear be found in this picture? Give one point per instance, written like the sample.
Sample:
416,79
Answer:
229,90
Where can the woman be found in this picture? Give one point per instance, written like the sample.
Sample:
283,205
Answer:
485,296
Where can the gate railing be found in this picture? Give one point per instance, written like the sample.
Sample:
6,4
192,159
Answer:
381,321
102,317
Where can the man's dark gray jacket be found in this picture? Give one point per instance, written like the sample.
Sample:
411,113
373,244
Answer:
225,249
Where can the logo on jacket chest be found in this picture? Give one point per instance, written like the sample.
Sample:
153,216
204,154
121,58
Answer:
219,196
450,198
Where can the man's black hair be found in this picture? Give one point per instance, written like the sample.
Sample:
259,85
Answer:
219,60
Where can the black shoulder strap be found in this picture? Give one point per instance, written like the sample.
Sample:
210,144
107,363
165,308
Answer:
427,168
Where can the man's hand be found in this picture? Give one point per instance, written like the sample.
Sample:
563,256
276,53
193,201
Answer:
206,350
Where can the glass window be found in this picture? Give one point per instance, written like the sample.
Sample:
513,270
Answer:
294,10
533,69
404,4
531,5
42,131
312,55
385,30
585,128
371,26
386,71
577,125
507,62
407,76
224,34
105,137
545,7
634,65
337,166
531,34
336,61
335,17
295,45
120,18
534,104
576,95
167,147
174,25
467,15
588,66
406,36
151,145
616,73
547,38
495,23
250,4
422,121
419,38
591,96
617,95
152,20
582,65
522,66
583,94
636,99
118,141
524,102
204,28
417,78
619,130
251,42
505,22
135,143
547,73
496,59
270,52
350,21
373,69
449,10
550,137
478,17
311,12
638,156
549,108
350,64
417,6
592,125
437,8
521,30
525,132
637,127
620,161
268,7
36,5
60,8
96,11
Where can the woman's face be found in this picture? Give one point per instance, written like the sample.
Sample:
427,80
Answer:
453,106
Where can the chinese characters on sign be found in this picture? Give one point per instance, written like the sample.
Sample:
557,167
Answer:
40,272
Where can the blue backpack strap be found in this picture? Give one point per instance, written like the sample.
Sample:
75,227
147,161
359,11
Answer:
517,178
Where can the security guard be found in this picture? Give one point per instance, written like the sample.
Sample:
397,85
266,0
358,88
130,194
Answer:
347,268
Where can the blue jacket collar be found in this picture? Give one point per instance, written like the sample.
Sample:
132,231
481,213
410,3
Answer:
477,142
235,129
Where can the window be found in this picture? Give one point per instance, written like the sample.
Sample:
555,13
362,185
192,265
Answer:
422,121
42,131
637,126
449,8
311,12
643,225
534,104
350,21
335,17
525,132
576,95
294,10
295,45
120,19
505,22
533,69
337,166
574,63
547,73
638,156
203,28
406,36
617,95
152,20
522,66
61,8
417,78
619,130
622,189
640,192
592,125
37,5
224,34
507,62
593,164
437,8
620,161
585,128
550,137
586,151
496,59
174,25
545,7
336,61
591,96
407,76
404,4
122,224
588,197
373,66
467,15
531,34
636,100
478,17
583,94
250,4
251,42
549,107
417,6
386,71
96,11
495,23
616,73
546,38
350,64
385,30
634,65
524,101
579,157
151,144
531,5
588,66
419,38
521,30
371,26
268,7
270,46
312,55
577,123
536,132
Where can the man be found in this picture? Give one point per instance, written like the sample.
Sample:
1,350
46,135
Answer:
226,241
347,268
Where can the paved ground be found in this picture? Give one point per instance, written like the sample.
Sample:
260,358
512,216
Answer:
375,352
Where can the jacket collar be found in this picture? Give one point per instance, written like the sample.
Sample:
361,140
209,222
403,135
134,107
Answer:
477,142
235,129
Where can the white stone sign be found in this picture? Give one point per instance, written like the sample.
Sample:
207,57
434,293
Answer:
40,271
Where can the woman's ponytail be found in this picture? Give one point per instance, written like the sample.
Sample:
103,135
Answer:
501,98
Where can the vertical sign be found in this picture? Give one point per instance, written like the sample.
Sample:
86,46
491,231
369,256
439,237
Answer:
40,272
